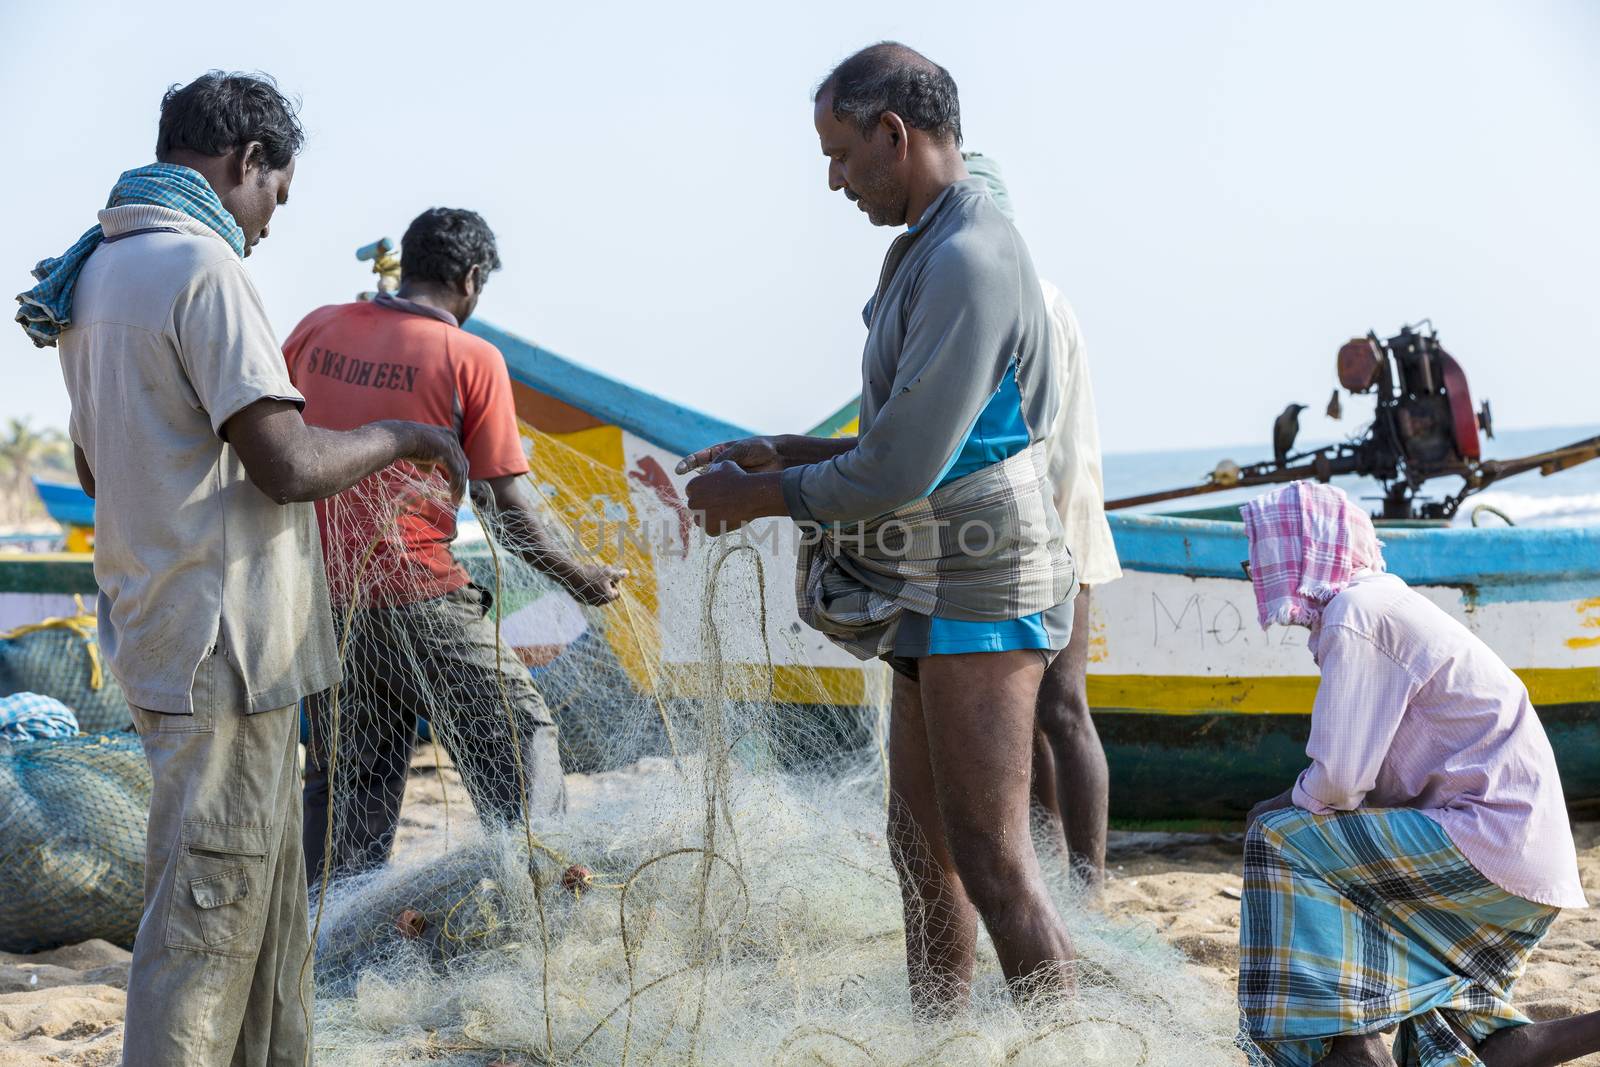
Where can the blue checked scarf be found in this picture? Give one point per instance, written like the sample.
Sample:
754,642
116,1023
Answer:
34,717
47,307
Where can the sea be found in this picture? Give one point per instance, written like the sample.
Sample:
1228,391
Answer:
1566,498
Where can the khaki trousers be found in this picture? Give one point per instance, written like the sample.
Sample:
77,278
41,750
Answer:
220,974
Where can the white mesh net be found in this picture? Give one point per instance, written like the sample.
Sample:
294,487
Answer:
718,888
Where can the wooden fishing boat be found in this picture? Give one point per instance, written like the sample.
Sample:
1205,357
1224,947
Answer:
1202,713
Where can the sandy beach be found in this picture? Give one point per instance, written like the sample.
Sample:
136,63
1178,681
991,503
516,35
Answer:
66,1006
1187,887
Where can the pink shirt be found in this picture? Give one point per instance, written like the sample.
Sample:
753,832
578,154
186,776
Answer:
1415,711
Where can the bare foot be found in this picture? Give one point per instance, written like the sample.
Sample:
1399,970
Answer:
1358,1050
1546,1044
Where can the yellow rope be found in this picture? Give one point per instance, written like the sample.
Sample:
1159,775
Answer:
83,625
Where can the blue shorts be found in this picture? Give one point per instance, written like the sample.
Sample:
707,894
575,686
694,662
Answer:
1047,631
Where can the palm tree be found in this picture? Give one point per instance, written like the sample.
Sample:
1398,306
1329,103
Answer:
24,450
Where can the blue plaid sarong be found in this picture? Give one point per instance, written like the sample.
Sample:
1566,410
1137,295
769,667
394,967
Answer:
35,717
1356,922
47,307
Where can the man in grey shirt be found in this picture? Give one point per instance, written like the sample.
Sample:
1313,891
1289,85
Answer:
213,606
958,402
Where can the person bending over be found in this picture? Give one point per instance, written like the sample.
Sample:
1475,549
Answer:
422,644
1413,866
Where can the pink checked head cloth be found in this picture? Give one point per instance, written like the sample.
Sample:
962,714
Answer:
1306,542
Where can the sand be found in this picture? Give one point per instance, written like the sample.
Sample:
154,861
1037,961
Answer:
1187,886
63,1006
66,1006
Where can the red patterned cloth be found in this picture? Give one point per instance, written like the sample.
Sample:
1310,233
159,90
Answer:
1306,542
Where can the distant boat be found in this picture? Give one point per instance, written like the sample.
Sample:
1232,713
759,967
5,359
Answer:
1201,713
66,503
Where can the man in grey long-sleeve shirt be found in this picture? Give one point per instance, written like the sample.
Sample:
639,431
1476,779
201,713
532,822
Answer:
956,381
949,329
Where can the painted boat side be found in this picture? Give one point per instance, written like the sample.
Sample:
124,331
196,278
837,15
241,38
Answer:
1201,713
1215,766
1489,563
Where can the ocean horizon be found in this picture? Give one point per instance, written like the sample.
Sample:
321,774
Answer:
1567,498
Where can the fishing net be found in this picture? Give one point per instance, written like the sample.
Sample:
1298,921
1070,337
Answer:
60,658
72,839
715,888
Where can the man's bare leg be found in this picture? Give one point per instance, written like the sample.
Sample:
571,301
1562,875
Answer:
941,923
1046,795
1543,1044
1082,779
1358,1050
978,718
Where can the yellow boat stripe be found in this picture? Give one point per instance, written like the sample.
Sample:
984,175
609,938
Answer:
1144,693
1181,694
844,686
1289,695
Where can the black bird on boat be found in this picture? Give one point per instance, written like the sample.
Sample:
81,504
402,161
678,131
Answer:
1285,428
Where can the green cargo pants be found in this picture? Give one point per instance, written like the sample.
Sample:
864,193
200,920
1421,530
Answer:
219,971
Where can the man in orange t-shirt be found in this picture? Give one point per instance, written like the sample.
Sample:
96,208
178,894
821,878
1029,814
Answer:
421,643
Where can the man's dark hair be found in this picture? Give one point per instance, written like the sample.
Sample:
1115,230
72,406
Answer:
219,111
889,76
443,243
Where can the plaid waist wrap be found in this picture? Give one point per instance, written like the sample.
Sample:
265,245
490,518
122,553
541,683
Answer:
1358,921
47,307
984,548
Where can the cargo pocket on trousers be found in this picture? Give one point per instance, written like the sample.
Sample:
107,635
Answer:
219,889
214,895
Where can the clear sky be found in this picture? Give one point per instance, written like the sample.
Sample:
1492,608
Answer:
1226,191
